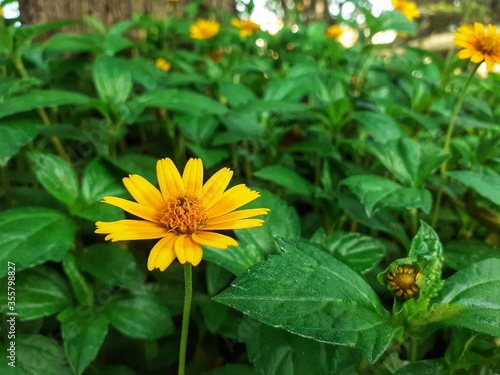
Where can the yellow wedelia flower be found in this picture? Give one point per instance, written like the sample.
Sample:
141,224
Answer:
204,29
334,31
408,8
246,27
183,213
479,44
163,64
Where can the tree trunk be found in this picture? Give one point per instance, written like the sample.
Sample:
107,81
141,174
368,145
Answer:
109,11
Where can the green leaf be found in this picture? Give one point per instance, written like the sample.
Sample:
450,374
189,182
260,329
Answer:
460,254
198,129
14,135
277,352
281,221
111,264
40,99
36,354
25,240
112,79
97,182
236,94
182,101
427,367
56,176
485,185
287,178
143,165
210,157
361,253
235,259
381,126
376,191
83,336
310,293
83,291
40,292
140,316
476,287
231,369
274,106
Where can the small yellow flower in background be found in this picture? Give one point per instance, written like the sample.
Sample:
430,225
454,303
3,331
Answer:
479,44
183,213
408,8
163,64
246,27
402,281
204,29
334,31
1,12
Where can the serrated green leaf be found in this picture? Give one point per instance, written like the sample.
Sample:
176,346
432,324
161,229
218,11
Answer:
25,240
111,264
310,293
277,352
40,292
476,287
56,176
236,94
40,99
112,79
485,185
14,135
140,316
235,259
83,336
380,126
36,354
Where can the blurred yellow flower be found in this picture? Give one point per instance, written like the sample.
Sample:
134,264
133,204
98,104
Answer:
183,213
479,44
204,29
247,27
408,8
1,12
334,31
163,64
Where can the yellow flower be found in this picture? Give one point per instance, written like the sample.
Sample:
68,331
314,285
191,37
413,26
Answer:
1,12
402,281
479,44
246,27
408,8
204,29
334,31
163,64
183,213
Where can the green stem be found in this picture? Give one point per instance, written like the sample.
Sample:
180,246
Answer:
188,294
413,350
446,148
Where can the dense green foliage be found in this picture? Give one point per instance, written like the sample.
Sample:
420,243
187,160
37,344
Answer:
346,146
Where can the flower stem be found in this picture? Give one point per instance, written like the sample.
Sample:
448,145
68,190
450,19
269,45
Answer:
446,147
188,294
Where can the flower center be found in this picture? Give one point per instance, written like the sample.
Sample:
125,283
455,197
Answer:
183,215
402,281
489,44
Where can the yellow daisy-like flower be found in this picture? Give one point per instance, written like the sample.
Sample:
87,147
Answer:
334,31
408,8
204,29
183,213
403,280
163,64
479,44
246,27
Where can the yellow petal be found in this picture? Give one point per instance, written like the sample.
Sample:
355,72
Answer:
479,28
236,224
212,239
215,186
489,63
124,230
169,179
144,212
477,57
464,54
192,177
162,254
187,250
236,215
232,199
492,30
143,191
180,249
